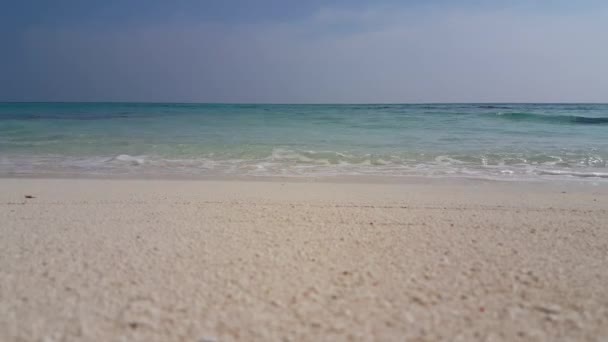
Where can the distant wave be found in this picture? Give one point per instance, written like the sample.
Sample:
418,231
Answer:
564,119
588,120
493,107
66,116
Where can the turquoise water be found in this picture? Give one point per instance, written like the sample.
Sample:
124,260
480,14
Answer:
504,141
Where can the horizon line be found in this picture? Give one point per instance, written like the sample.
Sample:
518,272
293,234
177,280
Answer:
296,103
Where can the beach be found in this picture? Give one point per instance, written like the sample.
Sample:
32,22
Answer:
217,171
302,260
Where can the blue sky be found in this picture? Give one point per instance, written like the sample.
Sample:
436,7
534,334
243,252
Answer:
304,51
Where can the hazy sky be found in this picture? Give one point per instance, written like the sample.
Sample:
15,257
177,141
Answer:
303,51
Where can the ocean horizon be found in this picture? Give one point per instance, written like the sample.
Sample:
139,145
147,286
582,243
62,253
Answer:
506,141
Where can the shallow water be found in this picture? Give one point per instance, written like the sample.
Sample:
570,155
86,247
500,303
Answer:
502,141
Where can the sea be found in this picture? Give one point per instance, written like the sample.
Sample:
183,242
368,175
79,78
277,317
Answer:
484,141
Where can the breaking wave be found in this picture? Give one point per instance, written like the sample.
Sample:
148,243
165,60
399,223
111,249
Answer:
285,162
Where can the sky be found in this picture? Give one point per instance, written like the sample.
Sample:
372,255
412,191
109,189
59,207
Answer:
296,51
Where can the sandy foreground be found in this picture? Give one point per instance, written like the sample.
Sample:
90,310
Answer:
143,260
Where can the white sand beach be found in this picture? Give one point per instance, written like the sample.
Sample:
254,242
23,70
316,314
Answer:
186,260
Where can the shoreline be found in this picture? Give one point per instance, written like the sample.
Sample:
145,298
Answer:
341,179
158,260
